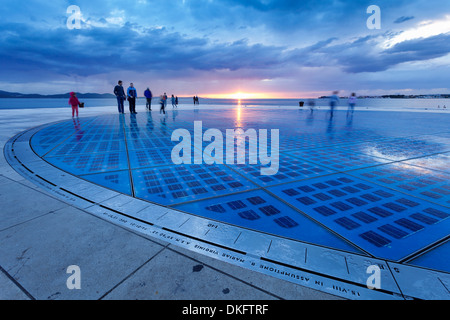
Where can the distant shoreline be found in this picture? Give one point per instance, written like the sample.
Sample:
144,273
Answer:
17,95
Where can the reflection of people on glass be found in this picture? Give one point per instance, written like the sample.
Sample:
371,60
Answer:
311,105
334,100
150,126
77,126
134,128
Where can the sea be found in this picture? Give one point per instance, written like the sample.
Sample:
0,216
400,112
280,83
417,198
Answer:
364,103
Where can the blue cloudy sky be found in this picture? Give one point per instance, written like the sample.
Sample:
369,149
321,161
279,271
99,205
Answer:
270,48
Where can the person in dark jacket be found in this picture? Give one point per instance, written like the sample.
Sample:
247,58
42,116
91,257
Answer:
148,95
120,94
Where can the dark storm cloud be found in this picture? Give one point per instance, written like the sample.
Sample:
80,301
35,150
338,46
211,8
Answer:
98,50
101,50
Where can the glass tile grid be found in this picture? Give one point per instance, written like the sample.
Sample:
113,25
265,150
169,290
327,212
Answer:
337,159
385,223
175,184
290,169
258,210
114,180
430,185
90,163
389,235
49,137
83,147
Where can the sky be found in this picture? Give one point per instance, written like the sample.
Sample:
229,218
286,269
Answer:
226,48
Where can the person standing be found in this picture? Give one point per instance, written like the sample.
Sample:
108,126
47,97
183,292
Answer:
132,95
120,95
176,101
334,100
148,95
73,101
173,101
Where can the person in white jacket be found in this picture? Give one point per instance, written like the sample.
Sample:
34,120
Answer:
351,104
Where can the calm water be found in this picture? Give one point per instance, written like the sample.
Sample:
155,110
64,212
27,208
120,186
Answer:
362,103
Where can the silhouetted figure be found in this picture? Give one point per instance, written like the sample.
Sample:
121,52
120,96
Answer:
173,101
120,95
148,95
132,95
165,100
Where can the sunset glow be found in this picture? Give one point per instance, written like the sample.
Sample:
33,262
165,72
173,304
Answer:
242,96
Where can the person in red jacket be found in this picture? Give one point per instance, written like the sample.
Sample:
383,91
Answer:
73,101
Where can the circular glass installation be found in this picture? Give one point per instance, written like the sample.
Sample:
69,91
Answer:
357,183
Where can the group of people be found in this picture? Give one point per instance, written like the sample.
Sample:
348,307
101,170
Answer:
195,98
334,100
132,95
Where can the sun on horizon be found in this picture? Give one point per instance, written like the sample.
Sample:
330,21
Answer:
244,95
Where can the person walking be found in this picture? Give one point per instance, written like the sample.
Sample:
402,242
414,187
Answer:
73,101
132,95
351,104
334,100
162,101
148,95
120,95
165,100
176,101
